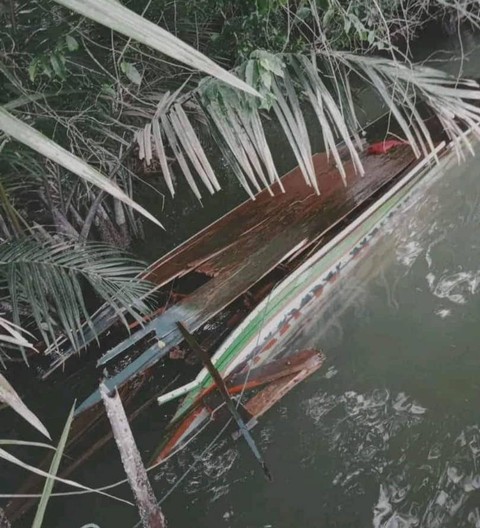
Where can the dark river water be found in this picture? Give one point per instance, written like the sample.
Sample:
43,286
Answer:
387,433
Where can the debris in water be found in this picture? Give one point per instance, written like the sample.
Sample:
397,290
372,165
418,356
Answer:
150,513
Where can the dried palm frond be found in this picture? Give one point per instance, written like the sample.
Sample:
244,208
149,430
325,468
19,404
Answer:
290,86
401,86
34,139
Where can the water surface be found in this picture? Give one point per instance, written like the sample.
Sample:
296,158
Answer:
388,433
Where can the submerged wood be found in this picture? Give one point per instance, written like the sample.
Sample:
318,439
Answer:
220,384
279,376
150,512
280,232
276,390
274,370
257,340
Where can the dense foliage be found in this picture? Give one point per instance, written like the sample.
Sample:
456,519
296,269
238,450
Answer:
93,91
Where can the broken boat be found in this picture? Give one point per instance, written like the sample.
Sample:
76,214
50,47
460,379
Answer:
239,286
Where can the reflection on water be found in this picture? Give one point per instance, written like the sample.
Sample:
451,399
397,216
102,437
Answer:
388,433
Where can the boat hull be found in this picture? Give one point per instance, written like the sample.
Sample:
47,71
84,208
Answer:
256,340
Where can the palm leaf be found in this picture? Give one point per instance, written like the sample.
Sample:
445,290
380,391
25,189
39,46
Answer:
9,396
14,336
400,85
14,460
48,278
37,141
55,464
290,116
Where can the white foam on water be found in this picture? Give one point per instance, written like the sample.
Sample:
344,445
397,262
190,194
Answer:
443,312
408,252
456,287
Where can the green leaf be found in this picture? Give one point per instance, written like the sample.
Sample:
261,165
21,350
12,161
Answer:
329,14
57,65
14,460
32,70
72,43
131,72
37,141
114,15
11,398
108,89
49,482
46,67
303,12
250,68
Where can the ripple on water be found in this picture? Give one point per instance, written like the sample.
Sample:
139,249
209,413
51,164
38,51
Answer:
446,481
456,287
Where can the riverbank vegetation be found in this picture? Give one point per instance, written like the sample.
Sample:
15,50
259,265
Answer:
109,100
96,100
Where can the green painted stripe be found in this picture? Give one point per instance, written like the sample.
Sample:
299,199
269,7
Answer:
278,302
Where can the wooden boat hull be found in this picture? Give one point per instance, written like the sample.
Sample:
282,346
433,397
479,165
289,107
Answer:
256,338
280,380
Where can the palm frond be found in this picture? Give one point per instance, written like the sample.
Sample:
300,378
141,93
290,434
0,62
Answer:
53,470
112,14
14,335
293,85
34,139
9,396
400,86
49,279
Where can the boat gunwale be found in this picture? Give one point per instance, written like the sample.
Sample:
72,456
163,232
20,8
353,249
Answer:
219,359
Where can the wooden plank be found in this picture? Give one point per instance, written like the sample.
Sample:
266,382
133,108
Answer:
232,409
273,370
213,249
275,391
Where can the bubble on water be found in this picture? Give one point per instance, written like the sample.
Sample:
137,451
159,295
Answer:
474,518
435,451
471,483
219,491
331,372
454,474
430,279
216,465
319,406
266,435
455,287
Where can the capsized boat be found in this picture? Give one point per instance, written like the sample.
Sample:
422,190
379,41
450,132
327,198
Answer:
238,259
257,341
243,254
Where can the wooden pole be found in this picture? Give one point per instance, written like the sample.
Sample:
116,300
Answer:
150,513
202,354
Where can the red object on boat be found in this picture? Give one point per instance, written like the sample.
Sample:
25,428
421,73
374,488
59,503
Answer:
382,147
